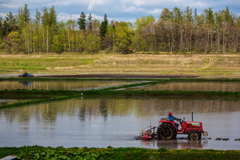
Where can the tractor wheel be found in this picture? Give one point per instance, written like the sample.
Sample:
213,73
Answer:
166,131
194,135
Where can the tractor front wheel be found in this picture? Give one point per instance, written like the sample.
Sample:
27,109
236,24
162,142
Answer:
194,135
166,131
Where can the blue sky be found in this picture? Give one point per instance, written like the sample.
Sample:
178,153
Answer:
119,10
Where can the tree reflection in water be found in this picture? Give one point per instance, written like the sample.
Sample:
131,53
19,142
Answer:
101,122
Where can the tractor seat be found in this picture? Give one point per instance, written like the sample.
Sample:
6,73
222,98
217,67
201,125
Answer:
177,125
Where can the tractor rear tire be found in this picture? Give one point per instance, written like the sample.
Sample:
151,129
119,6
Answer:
166,131
194,135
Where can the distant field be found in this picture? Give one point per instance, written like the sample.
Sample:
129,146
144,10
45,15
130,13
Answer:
204,65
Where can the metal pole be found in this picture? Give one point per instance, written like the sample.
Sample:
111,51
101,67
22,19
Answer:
192,116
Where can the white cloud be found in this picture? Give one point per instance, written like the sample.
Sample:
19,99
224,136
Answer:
139,2
155,11
98,3
68,2
144,3
198,4
9,5
133,9
66,16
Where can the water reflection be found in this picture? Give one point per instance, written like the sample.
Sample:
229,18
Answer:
26,83
176,144
194,86
58,84
115,122
9,101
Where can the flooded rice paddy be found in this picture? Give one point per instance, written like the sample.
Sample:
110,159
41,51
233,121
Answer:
84,122
193,86
59,85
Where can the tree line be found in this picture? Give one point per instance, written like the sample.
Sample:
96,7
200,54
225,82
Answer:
175,31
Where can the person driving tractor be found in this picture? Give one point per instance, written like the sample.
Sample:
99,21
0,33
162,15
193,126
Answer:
172,118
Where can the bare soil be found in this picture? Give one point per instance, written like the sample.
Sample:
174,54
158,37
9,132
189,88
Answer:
119,76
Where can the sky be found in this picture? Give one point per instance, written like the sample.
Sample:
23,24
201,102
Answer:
118,10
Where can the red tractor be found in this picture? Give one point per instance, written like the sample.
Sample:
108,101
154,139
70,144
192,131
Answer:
169,129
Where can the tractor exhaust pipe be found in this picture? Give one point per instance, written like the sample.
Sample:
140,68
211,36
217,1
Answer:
192,116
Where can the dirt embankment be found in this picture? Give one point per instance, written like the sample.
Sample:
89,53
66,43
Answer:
132,76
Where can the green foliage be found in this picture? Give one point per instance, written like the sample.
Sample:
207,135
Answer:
143,39
45,17
52,17
166,14
209,16
103,27
60,153
92,43
23,16
123,36
12,42
57,45
175,31
90,22
82,21
110,153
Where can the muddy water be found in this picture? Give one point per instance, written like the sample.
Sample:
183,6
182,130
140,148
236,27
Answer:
59,85
116,122
194,86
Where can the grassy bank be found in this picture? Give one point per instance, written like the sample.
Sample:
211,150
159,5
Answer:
42,94
35,94
219,65
38,152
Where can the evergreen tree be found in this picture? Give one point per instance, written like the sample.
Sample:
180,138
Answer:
52,17
188,15
209,17
90,22
177,16
103,27
82,21
9,24
26,14
166,14
227,15
45,17
37,17
20,17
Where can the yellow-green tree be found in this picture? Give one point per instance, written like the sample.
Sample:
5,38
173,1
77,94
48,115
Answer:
12,42
93,43
123,38
144,38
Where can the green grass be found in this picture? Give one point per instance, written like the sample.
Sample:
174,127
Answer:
109,153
